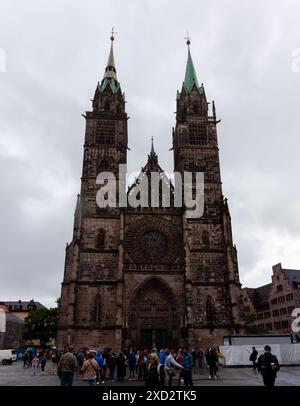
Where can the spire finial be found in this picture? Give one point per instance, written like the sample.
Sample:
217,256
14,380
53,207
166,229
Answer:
152,147
188,39
112,34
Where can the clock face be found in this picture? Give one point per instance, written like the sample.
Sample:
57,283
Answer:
154,244
152,240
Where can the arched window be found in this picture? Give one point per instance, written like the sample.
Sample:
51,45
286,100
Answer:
100,238
107,106
96,309
205,238
210,311
195,107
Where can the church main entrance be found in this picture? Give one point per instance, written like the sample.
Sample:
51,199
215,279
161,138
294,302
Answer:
150,336
152,317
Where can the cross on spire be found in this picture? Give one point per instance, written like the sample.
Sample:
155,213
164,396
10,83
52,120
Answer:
113,34
188,38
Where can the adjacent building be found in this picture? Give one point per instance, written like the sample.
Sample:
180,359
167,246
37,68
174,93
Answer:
22,308
272,304
11,329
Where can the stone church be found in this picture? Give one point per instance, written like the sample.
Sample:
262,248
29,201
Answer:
150,276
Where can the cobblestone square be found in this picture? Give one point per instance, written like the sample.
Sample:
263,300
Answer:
14,375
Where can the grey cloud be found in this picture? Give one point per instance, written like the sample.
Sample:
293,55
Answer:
56,52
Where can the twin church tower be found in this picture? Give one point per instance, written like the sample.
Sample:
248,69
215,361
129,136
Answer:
150,276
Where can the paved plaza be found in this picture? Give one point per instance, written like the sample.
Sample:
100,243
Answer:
12,375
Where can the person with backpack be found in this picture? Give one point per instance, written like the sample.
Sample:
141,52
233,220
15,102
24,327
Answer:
253,357
268,366
187,363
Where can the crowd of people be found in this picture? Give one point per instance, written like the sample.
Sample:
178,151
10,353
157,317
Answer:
38,359
155,368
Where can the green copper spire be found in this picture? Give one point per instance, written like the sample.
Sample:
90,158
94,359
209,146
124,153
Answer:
110,74
190,73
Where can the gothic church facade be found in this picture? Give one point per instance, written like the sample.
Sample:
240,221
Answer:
147,276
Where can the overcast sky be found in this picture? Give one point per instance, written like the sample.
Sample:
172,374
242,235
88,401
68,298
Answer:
56,51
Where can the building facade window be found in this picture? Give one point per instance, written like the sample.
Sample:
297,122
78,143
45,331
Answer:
198,134
282,311
277,325
96,309
290,309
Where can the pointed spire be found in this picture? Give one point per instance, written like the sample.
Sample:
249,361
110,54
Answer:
152,147
110,70
78,207
190,78
190,73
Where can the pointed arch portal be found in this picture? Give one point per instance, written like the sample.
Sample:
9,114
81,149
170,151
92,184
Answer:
152,319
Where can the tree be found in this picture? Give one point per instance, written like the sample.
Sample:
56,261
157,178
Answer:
252,329
41,324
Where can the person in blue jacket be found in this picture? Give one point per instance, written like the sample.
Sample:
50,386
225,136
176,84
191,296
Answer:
99,359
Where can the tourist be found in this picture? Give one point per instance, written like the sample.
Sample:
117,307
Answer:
162,358
253,357
132,365
170,365
55,359
35,363
142,363
90,370
179,360
105,356
67,365
25,359
152,379
111,364
194,355
30,358
187,363
200,358
137,357
43,360
99,359
121,366
212,362
268,366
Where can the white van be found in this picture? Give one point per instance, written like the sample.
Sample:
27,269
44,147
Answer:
7,357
